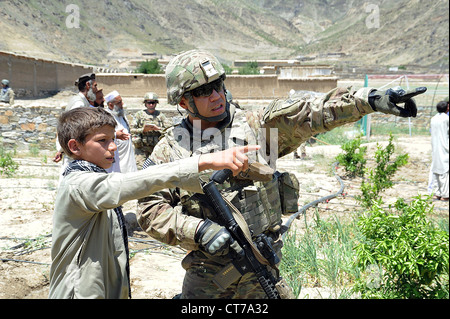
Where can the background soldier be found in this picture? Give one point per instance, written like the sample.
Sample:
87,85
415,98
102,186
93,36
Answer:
6,93
147,127
195,81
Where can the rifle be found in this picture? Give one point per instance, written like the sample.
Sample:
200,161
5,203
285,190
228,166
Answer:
248,260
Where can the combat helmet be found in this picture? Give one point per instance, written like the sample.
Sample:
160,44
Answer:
151,96
188,71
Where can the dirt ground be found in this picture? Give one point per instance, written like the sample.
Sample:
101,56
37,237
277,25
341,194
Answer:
27,199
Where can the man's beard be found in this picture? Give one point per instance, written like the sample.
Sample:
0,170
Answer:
91,95
117,111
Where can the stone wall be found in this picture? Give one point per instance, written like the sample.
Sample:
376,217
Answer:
31,77
24,126
21,127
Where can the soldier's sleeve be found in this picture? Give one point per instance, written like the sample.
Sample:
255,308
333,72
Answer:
296,120
160,215
167,121
137,125
136,130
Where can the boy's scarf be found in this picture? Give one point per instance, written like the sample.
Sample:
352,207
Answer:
84,166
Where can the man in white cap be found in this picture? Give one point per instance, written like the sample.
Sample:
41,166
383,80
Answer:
125,160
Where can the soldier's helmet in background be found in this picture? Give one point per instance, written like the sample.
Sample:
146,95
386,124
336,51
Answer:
150,96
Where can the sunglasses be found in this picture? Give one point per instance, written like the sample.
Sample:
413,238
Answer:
151,102
207,89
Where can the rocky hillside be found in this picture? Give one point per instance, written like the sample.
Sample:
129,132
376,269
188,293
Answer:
385,32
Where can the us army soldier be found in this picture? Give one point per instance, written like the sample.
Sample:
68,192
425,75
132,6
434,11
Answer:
147,127
6,93
195,81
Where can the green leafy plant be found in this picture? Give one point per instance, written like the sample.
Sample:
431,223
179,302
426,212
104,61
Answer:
380,177
149,67
7,165
409,254
249,68
353,157
386,253
227,68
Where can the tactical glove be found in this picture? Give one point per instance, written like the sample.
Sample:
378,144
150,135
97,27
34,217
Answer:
386,101
214,238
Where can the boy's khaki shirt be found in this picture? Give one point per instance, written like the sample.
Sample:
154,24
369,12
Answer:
88,251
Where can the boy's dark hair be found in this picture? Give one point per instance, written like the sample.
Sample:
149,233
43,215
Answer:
441,107
80,122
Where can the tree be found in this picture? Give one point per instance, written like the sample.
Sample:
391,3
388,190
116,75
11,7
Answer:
149,67
249,68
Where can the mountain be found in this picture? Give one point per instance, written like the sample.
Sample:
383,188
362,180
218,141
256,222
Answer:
403,32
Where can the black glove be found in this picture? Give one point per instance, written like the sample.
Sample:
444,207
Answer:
386,101
215,238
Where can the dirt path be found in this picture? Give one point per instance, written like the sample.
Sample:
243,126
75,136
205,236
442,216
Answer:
26,205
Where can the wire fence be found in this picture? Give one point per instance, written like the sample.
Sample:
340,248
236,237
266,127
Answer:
437,90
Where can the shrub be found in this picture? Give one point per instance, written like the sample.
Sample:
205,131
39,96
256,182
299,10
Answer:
412,255
149,67
353,157
249,68
380,178
7,165
227,68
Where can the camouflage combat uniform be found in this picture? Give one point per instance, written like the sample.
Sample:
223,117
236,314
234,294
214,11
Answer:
6,93
145,142
172,215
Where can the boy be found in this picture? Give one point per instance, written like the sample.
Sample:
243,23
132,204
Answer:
90,248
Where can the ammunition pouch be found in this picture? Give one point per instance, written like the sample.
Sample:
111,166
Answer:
289,192
260,205
263,203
